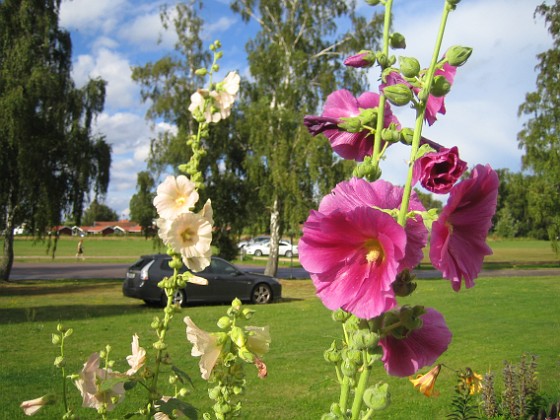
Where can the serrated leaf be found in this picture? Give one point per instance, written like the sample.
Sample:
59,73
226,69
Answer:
183,376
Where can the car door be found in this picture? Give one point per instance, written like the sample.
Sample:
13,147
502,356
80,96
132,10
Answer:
226,282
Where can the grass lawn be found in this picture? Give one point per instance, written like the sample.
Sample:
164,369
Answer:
499,319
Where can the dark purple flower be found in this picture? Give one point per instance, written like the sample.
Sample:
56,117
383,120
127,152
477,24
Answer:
458,242
439,171
422,347
342,104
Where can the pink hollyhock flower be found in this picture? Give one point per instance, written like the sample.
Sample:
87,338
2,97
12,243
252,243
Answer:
458,242
422,347
382,194
360,60
89,381
439,171
339,104
353,257
138,357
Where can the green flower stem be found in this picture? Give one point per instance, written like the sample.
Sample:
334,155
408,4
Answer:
64,386
362,385
382,101
420,111
344,394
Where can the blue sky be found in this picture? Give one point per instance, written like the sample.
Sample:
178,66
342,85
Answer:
110,36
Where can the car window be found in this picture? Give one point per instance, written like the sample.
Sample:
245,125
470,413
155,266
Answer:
222,267
164,265
139,264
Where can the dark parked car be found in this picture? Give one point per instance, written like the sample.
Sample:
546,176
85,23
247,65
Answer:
225,282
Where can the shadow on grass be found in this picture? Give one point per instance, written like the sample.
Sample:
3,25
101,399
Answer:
67,312
49,287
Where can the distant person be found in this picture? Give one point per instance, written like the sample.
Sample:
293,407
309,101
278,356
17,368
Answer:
80,251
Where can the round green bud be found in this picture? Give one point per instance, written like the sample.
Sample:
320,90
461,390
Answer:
397,41
215,67
363,339
224,322
348,368
406,135
410,67
382,59
457,55
377,397
201,72
440,87
59,362
175,263
373,2
340,315
398,95
55,338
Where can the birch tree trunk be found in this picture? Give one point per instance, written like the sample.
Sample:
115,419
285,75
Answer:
272,263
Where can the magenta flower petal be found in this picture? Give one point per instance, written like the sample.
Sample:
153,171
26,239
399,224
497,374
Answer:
421,348
458,242
360,60
342,104
439,171
353,257
435,105
357,192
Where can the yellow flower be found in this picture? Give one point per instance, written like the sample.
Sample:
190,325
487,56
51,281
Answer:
425,383
474,381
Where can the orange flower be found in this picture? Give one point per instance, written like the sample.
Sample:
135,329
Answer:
425,383
474,381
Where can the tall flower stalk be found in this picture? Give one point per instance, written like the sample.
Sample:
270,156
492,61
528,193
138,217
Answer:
367,235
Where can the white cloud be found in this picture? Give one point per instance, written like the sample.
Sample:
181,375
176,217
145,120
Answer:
218,27
146,31
122,91
87,15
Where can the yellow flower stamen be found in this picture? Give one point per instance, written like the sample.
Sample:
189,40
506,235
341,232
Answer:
374,252
180,201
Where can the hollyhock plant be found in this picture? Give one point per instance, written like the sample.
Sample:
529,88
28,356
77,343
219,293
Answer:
138,357
422,347
175,195
439,171
458,241
204,345
342,104
91,378
361,60
353,258
384,195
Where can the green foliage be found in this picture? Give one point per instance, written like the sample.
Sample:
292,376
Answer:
98,212
540,136
49,159
142,210
428,200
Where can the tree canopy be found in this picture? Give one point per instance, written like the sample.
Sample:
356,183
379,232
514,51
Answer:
540,136
48,158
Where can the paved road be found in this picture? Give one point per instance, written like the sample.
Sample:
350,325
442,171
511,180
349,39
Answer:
85,270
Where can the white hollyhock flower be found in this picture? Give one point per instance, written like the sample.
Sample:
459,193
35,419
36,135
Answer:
175,196
138,357
189,234
205,345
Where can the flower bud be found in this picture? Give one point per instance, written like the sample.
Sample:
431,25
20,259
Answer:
201,72
364,58
373,2
377,397
397,41
215,68
332,354
219,55
381,59
348,368
364,339
68,332
247,313
159,345
60,328
55,338
457,55
236,304
398,94
238,336
391,136
352,355
175,263
340,315
440,87
224,322
406,135
351,124
59,362
214,393
217,43
410,67
183,392
246,355
336,410
403,284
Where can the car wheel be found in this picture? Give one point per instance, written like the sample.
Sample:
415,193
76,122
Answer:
258,253
288,254
178,298
261,294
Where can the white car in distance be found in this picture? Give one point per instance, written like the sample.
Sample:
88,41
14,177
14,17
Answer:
285,249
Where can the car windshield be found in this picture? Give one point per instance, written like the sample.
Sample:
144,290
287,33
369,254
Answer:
139,264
